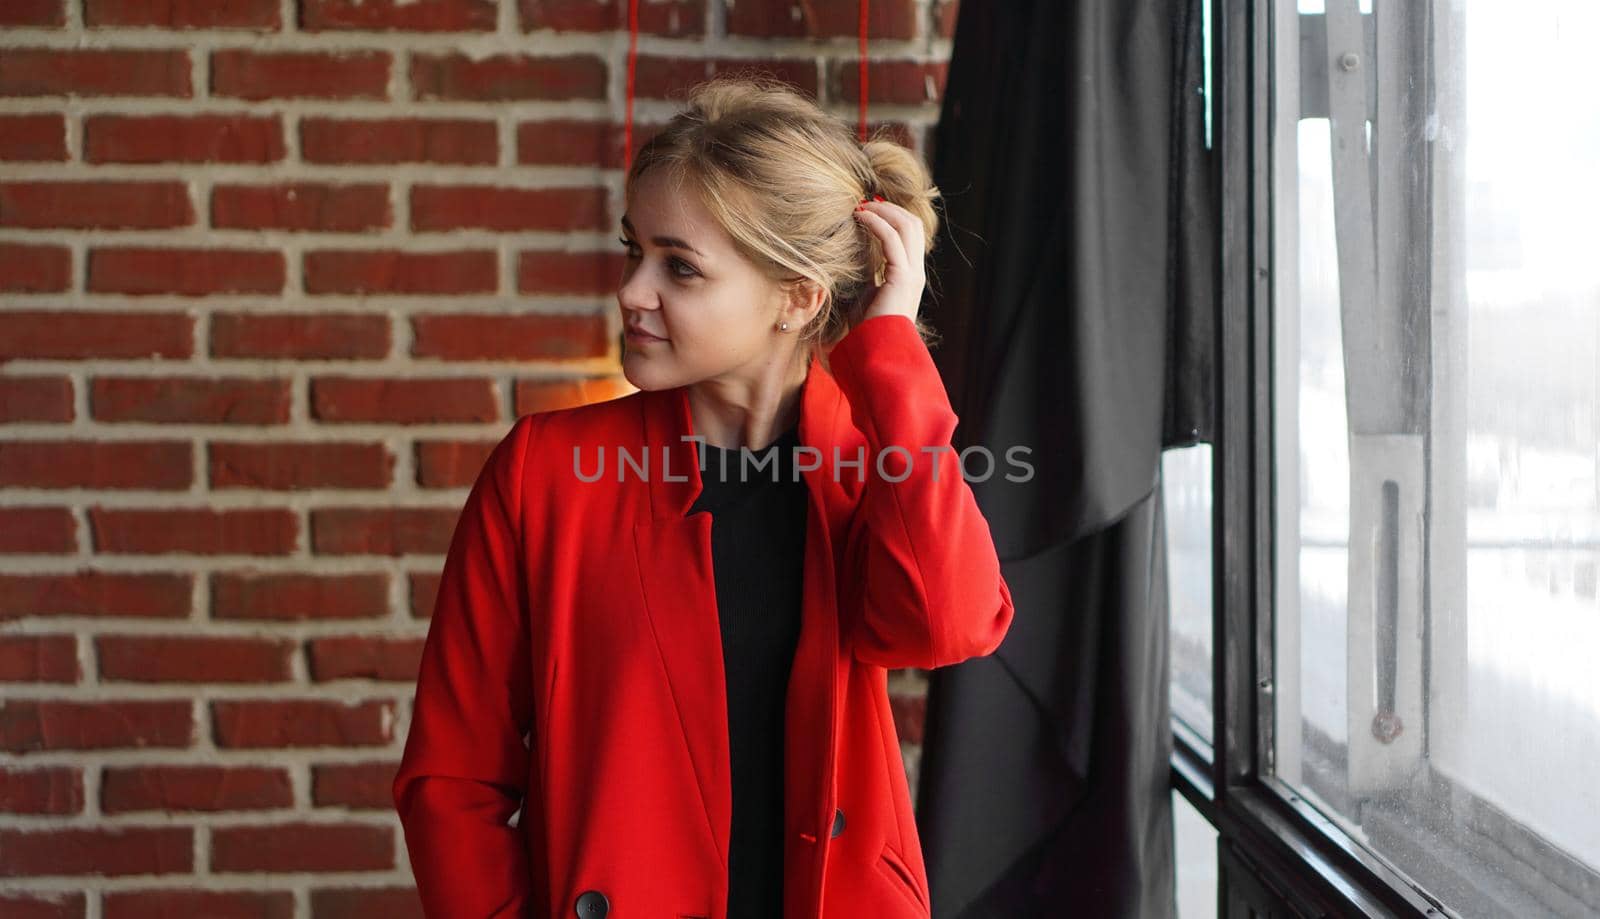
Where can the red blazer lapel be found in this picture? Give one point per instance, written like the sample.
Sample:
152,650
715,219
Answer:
674,561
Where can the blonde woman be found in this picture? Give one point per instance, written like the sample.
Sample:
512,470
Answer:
655,680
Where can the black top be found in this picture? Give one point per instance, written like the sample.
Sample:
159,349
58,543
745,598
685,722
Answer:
758,528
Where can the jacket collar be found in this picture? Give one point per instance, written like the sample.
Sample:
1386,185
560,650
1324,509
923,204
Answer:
667,419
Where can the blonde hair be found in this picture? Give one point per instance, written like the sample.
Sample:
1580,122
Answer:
782,178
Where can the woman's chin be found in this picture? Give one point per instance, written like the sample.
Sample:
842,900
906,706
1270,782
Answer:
636,370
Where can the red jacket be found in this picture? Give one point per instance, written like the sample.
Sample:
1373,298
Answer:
574,662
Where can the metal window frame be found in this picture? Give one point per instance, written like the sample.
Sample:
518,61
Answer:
1277,853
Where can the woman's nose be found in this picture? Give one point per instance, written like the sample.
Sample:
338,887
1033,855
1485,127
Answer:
634,293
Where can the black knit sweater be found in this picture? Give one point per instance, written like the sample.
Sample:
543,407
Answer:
758,529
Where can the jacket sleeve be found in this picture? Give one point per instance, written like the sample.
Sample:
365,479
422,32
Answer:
919,556
464,769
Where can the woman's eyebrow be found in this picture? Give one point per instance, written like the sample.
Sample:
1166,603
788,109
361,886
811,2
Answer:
672,242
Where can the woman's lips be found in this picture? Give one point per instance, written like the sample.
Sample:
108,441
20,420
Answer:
641,338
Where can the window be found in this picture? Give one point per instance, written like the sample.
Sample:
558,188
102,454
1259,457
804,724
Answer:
1186,504
1435,440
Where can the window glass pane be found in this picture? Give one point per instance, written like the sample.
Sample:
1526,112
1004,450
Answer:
1196,846
1186,499
1323,458
1531,447
1436,439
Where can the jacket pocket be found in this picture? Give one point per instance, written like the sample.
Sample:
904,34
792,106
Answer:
890,863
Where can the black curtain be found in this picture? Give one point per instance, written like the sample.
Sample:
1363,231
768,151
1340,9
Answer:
1073,286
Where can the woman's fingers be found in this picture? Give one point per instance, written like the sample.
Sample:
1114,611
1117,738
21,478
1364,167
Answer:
906,225
900,232
876,215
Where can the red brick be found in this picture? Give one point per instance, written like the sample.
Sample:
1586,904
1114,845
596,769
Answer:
399,15
94,72
95,593
361,785
52,790
95,205
894,20
109,852
301,206
912,138
27,725
303,847
187,400
33,138
670,18
451,463
38,398
291,597
892,82
492,207
548,395
381,271
288,466
82,335
39,659
304,336
909,712
142,465
212,904
571,273
193,659
96,852
37,530
504,77
182,139
43,905
360,902
402,400
194,788
300,74
261,15
382,531
657,77
41,14
945,14
570,142
399,140
186,272
27,269
198,531
424,592
532,336
302,723
349,657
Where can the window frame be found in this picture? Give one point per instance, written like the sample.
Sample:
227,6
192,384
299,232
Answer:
1276,851
1293,856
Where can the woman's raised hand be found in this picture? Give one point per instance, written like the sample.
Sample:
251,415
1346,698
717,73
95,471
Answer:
904,245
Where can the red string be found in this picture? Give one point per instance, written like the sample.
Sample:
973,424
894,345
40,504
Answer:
861,67
633,53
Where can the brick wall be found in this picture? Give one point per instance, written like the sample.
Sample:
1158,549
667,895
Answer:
275,276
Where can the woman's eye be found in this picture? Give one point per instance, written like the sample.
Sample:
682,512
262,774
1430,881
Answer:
676,263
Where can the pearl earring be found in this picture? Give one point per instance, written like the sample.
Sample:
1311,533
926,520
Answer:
783,326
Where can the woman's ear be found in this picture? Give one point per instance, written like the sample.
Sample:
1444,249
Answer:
806,299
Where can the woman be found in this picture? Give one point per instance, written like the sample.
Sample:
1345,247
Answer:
678,670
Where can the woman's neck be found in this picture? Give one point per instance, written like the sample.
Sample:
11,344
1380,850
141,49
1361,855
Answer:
746,413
